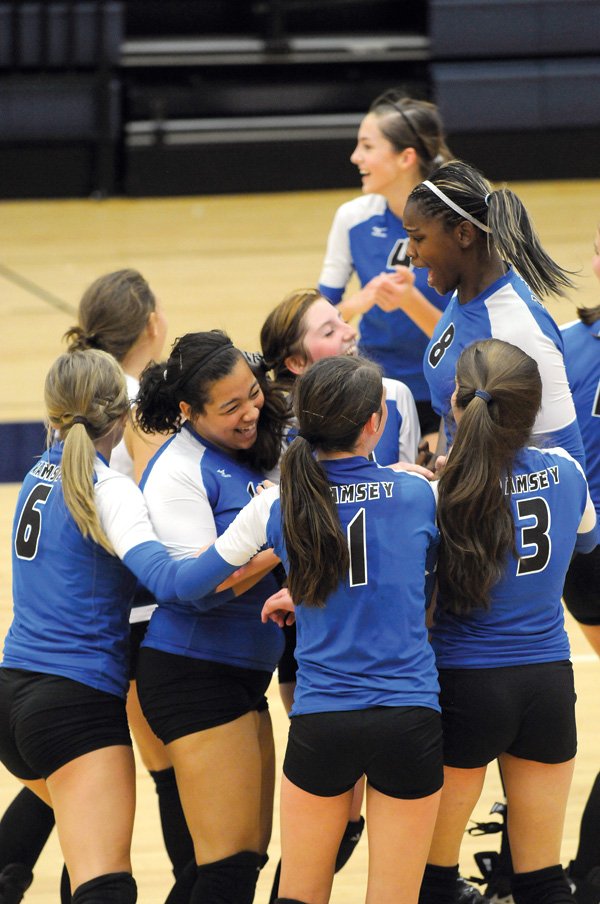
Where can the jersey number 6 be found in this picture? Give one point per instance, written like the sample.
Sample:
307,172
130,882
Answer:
30,522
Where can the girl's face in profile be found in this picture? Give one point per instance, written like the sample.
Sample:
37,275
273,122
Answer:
433,245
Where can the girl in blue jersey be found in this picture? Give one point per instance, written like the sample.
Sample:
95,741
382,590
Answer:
202,676
473,240
81,536
400,141
357,541
510,516
582,585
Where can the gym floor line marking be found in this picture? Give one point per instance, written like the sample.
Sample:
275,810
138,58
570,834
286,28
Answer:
38,291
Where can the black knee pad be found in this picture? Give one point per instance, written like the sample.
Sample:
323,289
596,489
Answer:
111,888
439,885
289,901
228,881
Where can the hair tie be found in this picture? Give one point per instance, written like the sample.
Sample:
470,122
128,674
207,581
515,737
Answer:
256,360
78,419
486,200
482,394
455,207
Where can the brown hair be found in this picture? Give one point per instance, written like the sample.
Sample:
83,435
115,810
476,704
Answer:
283,332
474,513
113,312
333,401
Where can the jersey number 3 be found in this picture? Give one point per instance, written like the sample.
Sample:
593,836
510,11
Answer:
30,522
534,536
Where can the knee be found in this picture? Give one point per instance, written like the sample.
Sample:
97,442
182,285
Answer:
111,888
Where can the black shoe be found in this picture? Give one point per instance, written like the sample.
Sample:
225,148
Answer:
350,839
15,879
585,890
467,893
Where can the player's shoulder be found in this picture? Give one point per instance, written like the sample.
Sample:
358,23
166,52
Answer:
360,209
396,390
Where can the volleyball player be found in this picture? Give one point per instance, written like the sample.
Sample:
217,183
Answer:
400,142
510,516
473,240
202,675
582,586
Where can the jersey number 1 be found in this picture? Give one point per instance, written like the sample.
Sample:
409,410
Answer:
30,522
357,547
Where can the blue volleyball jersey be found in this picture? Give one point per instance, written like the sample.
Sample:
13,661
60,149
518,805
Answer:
368,646
506,310
553,516
71,597
582,360
193,491
366,237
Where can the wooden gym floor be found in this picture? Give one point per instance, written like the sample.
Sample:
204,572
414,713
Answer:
225,262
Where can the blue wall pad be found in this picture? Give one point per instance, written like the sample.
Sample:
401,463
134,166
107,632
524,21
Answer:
20,445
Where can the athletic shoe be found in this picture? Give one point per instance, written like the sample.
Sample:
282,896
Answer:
467,893
15,879
585,890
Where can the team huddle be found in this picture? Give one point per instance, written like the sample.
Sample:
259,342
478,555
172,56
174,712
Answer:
391,524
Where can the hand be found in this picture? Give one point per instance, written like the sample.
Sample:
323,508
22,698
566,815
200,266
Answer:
415,468
264,485
393,289
279,608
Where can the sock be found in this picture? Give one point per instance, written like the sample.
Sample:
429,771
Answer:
542,886
184,884
111,888
65,886
439,885
24,829
588,851
228,881
275,886
178,840
15,879
350,839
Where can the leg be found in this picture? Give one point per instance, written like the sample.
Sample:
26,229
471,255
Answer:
461,791
306,867
400,833
219,775
537,801
94,803
266,744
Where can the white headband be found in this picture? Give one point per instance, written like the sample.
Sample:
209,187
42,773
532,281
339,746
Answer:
463,213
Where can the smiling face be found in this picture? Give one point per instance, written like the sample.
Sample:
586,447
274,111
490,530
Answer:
433,245
325,335
379,164
230,416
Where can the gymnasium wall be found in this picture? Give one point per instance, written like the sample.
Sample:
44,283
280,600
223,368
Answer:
149,97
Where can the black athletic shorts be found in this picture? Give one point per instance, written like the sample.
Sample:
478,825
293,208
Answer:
137,632
46,721
398,748
582,587
181,695
525,710
287,665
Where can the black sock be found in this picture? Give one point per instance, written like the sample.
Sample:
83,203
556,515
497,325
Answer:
178,840
15,879
350,839
228,881
65,886
184,884
542,886
439,885
275,886
24,829
111,888
588,852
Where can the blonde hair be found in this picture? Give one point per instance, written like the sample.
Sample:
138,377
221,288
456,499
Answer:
85,395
